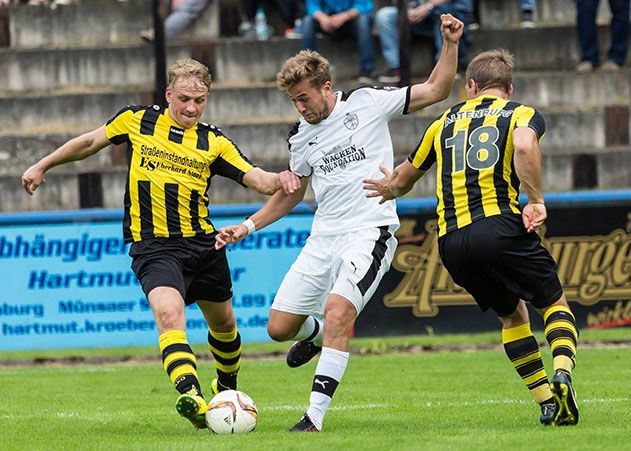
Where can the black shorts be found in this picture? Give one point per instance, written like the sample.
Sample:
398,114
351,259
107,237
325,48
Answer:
190,265
498,263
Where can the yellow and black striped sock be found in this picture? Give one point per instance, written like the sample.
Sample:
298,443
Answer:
523,351
179,361
562,336
226,349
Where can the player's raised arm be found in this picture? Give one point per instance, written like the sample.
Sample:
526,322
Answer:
395,183
275,208
77,148
438,85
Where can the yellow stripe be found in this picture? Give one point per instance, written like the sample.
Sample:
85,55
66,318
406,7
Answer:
527,359
182,370
541,393
228,369
565,342
179,355
172,337
225,337
516,333
541,374
225,355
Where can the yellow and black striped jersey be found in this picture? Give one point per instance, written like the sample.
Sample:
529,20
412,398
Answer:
169,173
472,145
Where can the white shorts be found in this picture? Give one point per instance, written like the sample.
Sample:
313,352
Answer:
350,265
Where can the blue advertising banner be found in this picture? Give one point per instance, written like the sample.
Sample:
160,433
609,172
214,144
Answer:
70,284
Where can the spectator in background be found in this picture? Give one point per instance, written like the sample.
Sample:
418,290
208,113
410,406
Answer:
339,19
527,13
291,12
181,14
586,11
424,18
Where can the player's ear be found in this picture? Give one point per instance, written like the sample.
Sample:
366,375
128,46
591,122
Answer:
510,90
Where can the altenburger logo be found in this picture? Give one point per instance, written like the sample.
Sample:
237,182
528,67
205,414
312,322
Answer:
591,269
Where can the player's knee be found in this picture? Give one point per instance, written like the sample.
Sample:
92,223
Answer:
278,332
169,317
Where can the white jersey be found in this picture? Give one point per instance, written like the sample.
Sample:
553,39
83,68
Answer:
344,149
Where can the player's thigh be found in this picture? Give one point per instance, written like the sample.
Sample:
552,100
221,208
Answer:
306,284
362,261
475,272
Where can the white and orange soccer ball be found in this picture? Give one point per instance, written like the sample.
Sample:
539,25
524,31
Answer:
231,412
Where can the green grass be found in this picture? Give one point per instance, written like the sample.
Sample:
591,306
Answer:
435,400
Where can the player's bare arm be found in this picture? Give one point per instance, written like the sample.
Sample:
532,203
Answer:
394,184
76,149
438,85
528,169
275,208
269,182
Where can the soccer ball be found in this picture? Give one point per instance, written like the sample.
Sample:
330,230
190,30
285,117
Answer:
231,412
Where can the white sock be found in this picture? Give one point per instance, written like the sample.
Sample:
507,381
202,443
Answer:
328,374
311,330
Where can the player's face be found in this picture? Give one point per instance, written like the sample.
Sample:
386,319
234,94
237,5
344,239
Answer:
187,100
311,102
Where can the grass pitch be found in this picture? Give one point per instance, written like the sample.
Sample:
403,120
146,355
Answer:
447,399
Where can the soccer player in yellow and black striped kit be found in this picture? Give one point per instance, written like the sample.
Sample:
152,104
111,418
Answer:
484,149
172,157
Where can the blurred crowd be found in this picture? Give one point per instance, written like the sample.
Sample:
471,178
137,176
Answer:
369,22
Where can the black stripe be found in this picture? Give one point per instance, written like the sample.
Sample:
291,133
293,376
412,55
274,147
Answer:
530,367
149,119
225,169
538,383
560,333
501,186
407,100
224,346
176,134
171,206
226,362
472,181
146,213
202,138
179,362
563,350
316,329
176,347
520,348
378,252
127,236
324,384
560,316
194,213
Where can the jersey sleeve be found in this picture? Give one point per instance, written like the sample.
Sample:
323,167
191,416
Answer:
424,156
529,117
297,159
117,128
230,162
391,101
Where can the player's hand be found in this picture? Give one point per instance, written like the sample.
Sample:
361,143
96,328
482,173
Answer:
379,187
533,216
32,178
229,235
289,182
451,28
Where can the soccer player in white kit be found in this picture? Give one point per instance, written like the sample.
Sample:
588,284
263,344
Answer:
341,139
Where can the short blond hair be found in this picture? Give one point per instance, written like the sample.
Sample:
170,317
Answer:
189,68
305,65
492,69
